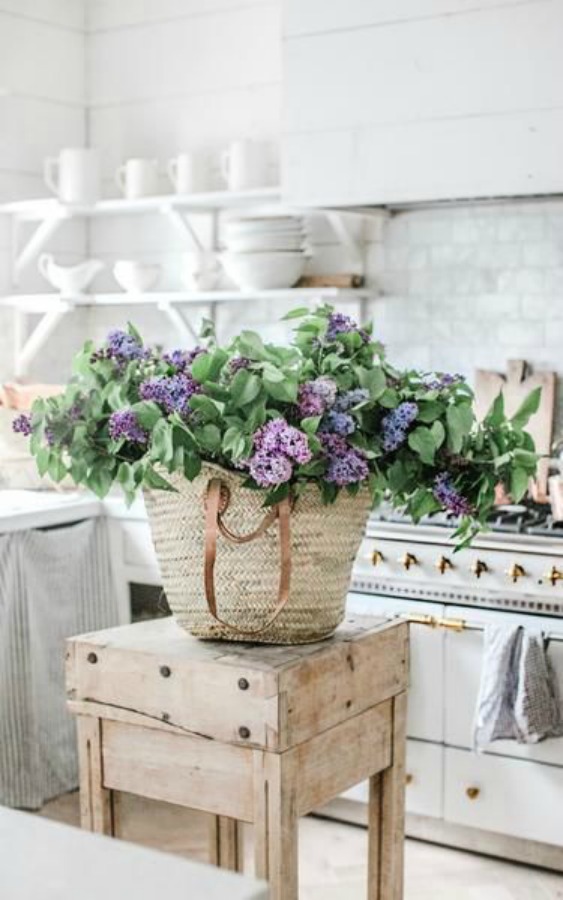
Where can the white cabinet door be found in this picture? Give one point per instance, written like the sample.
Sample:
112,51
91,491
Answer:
424,789
511,796
426,693
463,663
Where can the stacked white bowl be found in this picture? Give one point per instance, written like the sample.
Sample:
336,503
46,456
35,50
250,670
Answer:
264,252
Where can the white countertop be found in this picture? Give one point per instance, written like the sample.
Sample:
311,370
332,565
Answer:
20,510
42,860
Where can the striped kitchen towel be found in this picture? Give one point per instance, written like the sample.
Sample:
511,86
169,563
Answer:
518,698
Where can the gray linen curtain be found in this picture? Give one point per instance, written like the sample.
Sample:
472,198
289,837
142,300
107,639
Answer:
53,584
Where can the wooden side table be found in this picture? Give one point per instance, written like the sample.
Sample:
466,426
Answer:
249,733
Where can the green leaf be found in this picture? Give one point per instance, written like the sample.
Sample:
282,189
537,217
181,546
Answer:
234,442
154,480
389,399
422,504
100,478
296,313
210,409
148,413
374,381
460,421
283,391
422,441
42,458
207,366
251,345
278,494
192,466
125,477
519,480
429,410
527,409
245,387
162,443
495,416
310,425
273,373
56,467
209,437
438,433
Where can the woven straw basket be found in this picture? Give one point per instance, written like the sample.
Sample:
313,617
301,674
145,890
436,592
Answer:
234,571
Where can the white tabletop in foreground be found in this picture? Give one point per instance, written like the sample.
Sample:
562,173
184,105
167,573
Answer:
43,860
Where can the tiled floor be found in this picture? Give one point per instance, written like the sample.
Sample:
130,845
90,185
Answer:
332,857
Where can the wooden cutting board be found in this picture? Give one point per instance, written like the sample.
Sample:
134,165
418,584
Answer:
516,385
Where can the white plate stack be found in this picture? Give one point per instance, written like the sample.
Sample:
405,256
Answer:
264,252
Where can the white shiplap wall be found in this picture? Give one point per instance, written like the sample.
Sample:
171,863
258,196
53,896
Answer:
42,107
409,100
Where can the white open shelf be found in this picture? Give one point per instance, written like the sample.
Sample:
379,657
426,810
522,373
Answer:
42,303
46,216
51,208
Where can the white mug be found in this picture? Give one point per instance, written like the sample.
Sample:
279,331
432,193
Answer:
245,165
138,178
188,173
74,175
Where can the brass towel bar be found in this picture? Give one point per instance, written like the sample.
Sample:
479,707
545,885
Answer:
459,624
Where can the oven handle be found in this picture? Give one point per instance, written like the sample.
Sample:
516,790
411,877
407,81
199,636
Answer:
459,625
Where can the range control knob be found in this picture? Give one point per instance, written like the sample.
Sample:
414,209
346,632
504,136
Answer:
515,572
478,567
408,560
376,557
444,564
554,575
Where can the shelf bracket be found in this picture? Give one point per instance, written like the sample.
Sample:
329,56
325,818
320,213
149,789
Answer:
345,236
27,346
183,325
21,258
183,225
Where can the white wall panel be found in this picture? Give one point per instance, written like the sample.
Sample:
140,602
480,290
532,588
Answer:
490,62
107,14
40,60
33,128
68,14
311,16
162,127
186,56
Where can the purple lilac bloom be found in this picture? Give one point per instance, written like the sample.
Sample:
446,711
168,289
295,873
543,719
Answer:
448,495
269,470
441,380
348,399
339,423
277,437
347,468
124,425
315,397
396,423
22,424
239,362
171,392
124,347
182,359
338,323
333,444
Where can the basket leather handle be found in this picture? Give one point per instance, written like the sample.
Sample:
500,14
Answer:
217,501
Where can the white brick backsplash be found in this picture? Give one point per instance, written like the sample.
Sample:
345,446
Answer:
522,281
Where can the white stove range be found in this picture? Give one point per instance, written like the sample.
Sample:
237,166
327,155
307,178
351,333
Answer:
503,569
506,801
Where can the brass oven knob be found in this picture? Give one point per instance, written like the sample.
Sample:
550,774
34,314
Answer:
444,564
554,576
409,778
472,792
408,560
376,557
478,567
515,572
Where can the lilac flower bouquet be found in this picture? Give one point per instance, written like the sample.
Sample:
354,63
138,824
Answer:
329,410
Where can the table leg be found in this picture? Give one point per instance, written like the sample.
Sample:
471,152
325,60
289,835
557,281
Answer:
386,817
226,843
96,802
276,824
